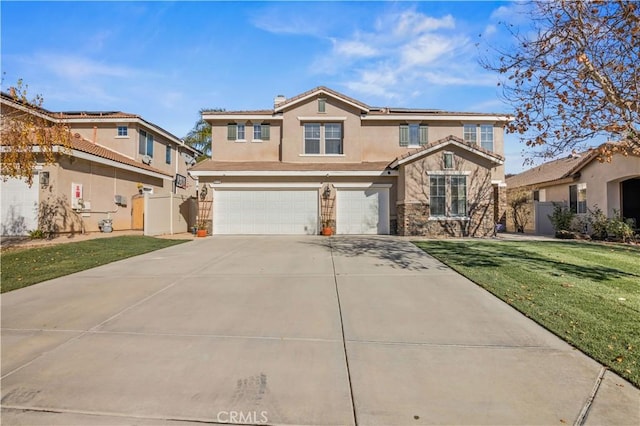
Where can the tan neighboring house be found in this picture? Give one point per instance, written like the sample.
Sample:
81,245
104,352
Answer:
115,159
323,158
582,183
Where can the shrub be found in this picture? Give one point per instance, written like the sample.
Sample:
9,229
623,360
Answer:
619,227
599,223
561,218
36,234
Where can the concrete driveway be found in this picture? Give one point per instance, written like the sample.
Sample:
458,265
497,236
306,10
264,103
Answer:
289,330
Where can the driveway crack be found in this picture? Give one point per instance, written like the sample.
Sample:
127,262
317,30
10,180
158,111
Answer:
344,340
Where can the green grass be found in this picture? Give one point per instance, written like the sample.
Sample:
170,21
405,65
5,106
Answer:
22,268
586,293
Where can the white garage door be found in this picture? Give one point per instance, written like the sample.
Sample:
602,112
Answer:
19,206
265,211
362,211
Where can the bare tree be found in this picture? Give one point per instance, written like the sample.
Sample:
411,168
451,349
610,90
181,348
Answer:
29,134
575,76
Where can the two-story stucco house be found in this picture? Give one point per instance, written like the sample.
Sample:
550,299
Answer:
113,157
322,156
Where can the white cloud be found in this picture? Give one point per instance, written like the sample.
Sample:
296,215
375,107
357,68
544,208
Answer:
354,49
68,66
490,30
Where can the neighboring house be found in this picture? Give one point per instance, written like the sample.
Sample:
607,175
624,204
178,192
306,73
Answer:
322,156
114,158
582,183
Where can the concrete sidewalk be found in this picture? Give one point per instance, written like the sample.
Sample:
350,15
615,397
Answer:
289,330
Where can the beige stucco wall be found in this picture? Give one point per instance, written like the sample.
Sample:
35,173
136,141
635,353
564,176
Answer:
106,134
603,183
226,150
100,183
363,140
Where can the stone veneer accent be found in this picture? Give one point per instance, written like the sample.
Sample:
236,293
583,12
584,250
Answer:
413,220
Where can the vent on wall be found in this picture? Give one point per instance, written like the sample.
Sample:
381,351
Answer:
120,200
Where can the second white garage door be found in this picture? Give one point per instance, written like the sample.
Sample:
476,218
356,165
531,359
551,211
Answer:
362,211
265,211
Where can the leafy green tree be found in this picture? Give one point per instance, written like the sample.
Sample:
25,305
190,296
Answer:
199,137
574,76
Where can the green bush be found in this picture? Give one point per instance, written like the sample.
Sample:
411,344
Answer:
36,234
561,218
619,227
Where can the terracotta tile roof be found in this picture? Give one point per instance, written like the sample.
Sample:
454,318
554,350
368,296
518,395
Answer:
257,112
80,144
266,166
446,140
94,114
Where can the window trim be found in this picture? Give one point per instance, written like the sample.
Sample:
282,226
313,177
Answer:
478,134
148,138
118,135
322,141
448,195
448,154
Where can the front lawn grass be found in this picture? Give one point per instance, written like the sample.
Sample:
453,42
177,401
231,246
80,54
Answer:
586,293
22,268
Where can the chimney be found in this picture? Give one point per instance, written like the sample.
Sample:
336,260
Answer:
279,100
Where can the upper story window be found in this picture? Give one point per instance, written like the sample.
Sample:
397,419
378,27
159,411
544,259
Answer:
261,132
123,131
145,143
413,135
479,134
322,105
167,155
323,138
236,132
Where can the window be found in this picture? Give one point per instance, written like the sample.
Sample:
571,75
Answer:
536,195
261,132
458,196
578,198
470,135
236,132
486,136
123,131
322,105
333,138
438,195
312,138
447,159
167,155
448,195
323,138
413,135
145,143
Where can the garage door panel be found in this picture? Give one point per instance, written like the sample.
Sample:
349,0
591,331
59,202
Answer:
274,211
362,211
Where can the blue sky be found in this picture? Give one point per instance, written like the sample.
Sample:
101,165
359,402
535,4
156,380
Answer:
166,60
